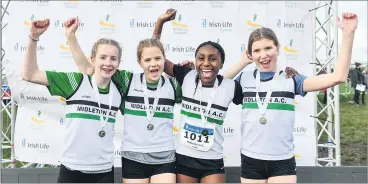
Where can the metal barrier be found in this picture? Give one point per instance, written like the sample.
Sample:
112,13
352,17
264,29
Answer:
305,175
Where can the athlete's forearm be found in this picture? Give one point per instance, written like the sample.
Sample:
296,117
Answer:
234,69
84,66
30,70
158,29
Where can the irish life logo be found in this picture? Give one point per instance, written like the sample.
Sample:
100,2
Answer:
224,26
290,51
178,26
19,47
60,24
296,26
65,50
28,22
149,25
253,24
37,118
106,26
186,50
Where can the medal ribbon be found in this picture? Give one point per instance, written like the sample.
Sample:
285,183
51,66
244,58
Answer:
97,94
150,112
262,107
210,100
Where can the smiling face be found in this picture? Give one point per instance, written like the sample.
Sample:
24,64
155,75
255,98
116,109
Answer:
106,61
152,62
264,53
208,63
263,47
151,57
105,57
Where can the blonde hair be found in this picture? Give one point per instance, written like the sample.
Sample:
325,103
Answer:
105,41
150,42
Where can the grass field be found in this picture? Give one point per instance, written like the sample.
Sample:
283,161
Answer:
354,132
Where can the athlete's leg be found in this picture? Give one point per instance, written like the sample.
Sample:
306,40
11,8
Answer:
282,171
186,175
164,178
163,173
181,178
214,178
282,179
146,180
244,180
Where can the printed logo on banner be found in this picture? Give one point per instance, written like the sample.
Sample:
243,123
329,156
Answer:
242,47
217,4
291,4
300,130
297,26
185,49
39,2
37,118
228,131
178,26
290,52
252,24
61,121
142,24
65,50
224,26
71,4
18,47
28,22
37,145
112,2
24,142
106,26
34,98
145,4
60,23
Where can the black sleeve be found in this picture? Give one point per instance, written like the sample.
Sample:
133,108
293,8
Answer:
238,93
180,72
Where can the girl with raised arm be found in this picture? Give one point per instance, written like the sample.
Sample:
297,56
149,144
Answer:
206,98
268,114
148,152
92,104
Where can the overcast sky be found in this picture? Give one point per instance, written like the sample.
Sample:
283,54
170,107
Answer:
360,42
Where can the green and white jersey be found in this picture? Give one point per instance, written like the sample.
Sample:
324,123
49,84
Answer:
273,140
195,99
136,136
84,149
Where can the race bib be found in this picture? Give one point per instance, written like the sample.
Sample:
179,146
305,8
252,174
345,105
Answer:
191,136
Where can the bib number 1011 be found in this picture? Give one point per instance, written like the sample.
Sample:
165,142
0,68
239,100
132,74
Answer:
193,136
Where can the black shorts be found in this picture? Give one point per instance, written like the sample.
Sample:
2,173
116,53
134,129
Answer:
136,170
68,176
263,169
198,168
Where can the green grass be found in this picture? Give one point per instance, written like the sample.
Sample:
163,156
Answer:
353,130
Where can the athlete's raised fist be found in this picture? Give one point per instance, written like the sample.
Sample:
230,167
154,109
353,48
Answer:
348,23
168,16
71,26
39,27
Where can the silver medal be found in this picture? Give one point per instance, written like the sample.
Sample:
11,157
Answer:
102,133
150,126
263,120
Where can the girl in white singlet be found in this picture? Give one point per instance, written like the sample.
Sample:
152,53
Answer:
92,102
267,128
147,149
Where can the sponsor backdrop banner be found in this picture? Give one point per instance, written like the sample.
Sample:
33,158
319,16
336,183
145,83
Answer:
39,129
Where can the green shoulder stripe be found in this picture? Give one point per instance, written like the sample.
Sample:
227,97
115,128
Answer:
177,89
